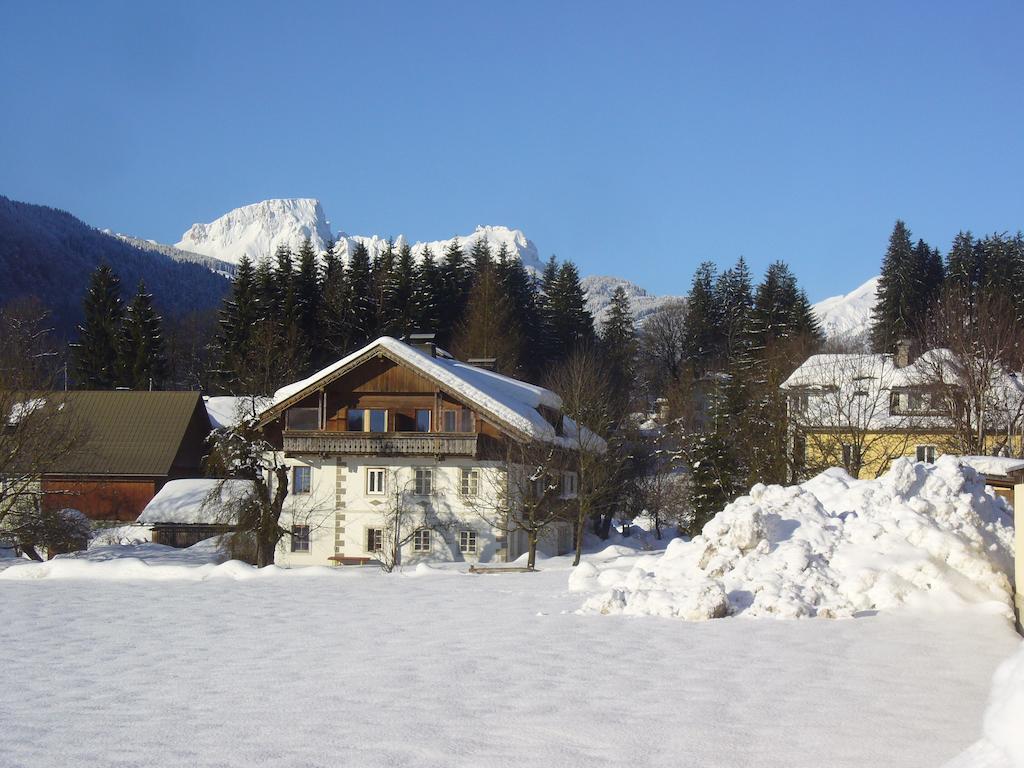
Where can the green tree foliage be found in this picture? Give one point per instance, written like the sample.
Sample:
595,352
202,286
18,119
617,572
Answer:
97,356
488,328
361,311
143,352
429,290
702,323
454,294
618,348
569,322
899,289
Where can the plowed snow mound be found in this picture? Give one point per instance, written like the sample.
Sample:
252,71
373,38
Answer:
927,535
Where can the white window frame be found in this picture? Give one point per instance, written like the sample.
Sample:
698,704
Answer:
421,540
467,542
423,481
469,482
295,483
378,539
929,450
376,481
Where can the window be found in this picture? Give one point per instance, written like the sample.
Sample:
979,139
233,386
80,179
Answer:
421,540
569,484
467,542
851,456
469,483
301,479
375,481
374,539
303,418
461,420
300,538
926,453
422,419
355,417
424,481
798,402
378,421
367,420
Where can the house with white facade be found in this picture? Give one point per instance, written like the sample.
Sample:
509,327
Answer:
400,452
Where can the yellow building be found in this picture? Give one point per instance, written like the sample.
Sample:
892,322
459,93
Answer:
861,411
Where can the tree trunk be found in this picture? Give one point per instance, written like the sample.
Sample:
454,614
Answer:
30,550
531,548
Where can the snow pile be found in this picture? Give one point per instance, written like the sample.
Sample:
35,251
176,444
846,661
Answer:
833,546
120,535
1004,719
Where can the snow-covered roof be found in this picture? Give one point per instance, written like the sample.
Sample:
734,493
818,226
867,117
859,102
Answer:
512,401
832,369
193,501
993,466
228,410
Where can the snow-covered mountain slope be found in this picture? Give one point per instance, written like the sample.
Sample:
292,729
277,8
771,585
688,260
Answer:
600,288
227,269
848,316
257,230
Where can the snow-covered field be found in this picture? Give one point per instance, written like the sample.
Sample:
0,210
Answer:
169,662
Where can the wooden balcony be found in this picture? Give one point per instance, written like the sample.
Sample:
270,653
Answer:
381,443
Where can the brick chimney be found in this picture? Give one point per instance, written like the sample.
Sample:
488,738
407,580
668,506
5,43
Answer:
903,356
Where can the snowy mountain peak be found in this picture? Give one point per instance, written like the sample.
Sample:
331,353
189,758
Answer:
848,316
257,230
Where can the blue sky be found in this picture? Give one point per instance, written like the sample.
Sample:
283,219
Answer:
637,139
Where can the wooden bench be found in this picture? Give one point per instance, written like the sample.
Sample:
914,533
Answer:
501,569
343,560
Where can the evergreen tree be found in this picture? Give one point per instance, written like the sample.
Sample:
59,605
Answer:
404,294
97,359
455,291
962,265
713,477
143,353
237,317
384,287
284,290
570,324
266,290
619,349
892,318
733,293
520,288
479,257
361,312
702,337
306,292
427,301
488,328
334,308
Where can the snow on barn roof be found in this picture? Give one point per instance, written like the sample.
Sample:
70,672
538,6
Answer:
512,401
192,502
993,466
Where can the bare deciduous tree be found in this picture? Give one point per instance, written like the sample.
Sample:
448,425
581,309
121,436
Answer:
967,379
36,431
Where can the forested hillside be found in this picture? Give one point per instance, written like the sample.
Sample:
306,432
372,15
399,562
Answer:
49,254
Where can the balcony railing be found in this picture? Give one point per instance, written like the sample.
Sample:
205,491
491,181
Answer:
381,443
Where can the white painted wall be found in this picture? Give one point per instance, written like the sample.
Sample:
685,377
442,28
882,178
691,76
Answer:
339,510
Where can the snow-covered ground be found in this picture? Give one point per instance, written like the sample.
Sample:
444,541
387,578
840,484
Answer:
169,660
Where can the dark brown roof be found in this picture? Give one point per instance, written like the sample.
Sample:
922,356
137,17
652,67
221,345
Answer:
135,433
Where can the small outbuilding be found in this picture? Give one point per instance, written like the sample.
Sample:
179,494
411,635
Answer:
185,512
